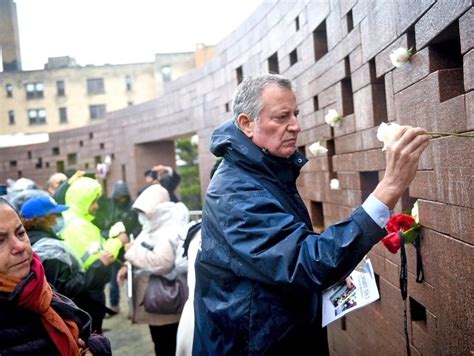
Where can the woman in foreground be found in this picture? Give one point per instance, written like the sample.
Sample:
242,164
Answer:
33,318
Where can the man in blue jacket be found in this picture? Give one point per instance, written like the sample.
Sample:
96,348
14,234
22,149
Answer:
261,270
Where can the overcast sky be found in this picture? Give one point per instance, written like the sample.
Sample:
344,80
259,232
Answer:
122,31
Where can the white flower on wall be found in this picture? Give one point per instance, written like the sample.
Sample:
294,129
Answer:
334,184
400,56
332,118
318,148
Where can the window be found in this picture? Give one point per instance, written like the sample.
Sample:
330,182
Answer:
97,111
166,73
128,83
350,21
297,23
34,90
61,90
63,115
11,117
95,86
239,73
293,57
320,41
315,103
37,116
9,90
71,159
273,66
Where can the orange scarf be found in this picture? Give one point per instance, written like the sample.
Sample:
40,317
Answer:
36,295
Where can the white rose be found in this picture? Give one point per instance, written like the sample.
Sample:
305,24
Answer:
415,212
400,56
194,140
334,184
385,132
332,117
317,148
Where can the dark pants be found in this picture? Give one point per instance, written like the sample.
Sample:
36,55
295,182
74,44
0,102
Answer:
164,338
114,292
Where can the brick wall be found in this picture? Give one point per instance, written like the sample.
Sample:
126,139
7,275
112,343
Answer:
337,52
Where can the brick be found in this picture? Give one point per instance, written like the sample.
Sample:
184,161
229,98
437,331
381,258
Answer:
389,97
338,348
358,141
349,180
365,108
438,17
345,197
372,160
311,120
466,30
421,186
336,212
334,74
382,59
424,293
454,273
327,96
456,221
409,11
307,137
347,126
454,163
452,115
468,66
345,6
361,77
469,97
423,341
355,58
417,68
367,325
361,9
418,104
379,20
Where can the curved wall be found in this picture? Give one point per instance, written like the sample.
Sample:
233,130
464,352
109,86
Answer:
337,52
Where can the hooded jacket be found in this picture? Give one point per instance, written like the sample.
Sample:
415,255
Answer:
61,265
155,249
79,232
261,269
114,209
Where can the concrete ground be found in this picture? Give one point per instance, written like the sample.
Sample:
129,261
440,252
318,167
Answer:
127,338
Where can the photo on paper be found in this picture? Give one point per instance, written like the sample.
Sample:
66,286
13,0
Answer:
341,294
346,305
341,299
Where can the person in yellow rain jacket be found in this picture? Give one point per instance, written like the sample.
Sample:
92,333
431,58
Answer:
95,253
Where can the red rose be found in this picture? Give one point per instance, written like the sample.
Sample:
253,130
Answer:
392,242
400,222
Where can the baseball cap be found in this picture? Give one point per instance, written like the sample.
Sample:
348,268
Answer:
38,207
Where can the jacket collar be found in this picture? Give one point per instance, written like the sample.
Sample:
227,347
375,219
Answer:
229,142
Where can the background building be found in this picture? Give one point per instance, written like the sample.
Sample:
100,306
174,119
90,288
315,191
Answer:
65,95
337,52
10,57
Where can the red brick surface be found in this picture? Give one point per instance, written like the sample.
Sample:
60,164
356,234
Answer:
434,90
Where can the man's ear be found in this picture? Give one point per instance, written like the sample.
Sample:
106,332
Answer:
246,125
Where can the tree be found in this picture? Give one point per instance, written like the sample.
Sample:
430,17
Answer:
188,168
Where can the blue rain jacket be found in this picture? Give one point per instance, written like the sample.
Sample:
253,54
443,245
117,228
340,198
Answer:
261,269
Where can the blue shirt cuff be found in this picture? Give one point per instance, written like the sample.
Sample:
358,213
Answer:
378,211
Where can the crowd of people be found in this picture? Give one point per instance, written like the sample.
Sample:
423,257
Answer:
255,268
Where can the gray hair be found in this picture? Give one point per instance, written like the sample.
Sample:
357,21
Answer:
248,95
